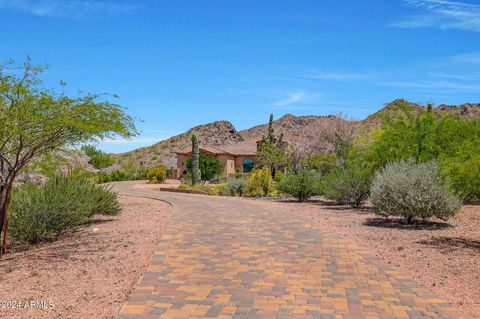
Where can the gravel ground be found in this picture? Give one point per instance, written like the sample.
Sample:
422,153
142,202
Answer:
88,273
442,256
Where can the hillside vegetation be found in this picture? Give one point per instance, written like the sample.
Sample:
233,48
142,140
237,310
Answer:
300,129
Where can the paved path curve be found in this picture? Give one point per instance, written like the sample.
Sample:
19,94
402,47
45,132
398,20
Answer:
234,258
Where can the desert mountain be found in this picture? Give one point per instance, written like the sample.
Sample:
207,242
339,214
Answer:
301,129
216,134
468,109
291,126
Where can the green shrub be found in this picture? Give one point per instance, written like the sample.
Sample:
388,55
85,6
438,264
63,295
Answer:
114,176
259,183
98,159
157,175
301,186
210,166
235,187
347,184
279,176
412,191
238,173
463,172
213,190
320,163
43,212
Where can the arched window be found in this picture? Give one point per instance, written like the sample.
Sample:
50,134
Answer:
247,165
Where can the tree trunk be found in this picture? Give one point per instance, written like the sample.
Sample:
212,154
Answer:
6,185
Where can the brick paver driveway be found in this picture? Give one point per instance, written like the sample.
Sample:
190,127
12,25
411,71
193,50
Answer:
234,258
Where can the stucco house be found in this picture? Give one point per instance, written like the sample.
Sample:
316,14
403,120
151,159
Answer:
239,156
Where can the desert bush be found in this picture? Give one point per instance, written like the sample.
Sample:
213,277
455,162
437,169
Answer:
412,190
43,212
259,183
320,163
301,186
348,184
114,176
157,175
279,176
235,187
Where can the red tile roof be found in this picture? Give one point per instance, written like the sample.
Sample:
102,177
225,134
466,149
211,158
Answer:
240,148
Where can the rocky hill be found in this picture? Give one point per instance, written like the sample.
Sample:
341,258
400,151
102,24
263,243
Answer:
215,134
291,126
301,129
468,109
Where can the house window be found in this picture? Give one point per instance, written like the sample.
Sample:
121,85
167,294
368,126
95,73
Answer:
247,165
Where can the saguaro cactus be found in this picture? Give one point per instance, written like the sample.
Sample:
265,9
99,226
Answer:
195,161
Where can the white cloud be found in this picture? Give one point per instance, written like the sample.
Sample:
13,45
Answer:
338,76
292,98
74,9
442,14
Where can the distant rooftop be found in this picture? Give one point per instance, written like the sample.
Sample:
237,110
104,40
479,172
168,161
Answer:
239,148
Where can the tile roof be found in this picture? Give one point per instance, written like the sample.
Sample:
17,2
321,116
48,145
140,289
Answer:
240,148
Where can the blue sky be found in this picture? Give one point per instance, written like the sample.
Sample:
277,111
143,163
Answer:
177,63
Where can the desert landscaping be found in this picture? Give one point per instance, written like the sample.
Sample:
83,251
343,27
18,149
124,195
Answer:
240,159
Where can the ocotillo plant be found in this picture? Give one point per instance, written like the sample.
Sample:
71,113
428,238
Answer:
195,161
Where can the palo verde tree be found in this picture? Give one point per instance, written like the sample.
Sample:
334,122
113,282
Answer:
35,121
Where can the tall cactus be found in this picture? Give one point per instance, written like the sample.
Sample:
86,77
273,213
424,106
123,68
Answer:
270,134
195,161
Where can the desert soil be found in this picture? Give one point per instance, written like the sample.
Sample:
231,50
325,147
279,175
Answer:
444,257
89,272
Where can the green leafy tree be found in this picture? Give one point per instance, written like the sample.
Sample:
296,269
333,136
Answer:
98,159
320,163
210,167
272,157
423,136
37,121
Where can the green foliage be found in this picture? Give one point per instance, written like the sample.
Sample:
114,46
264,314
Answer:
235,187
115,176
301,186
238,173
271,156
451,140
43,212
348,184
98,159
320,163
210,167
157,175
213,190
412,190
259,183
463,172
279,176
